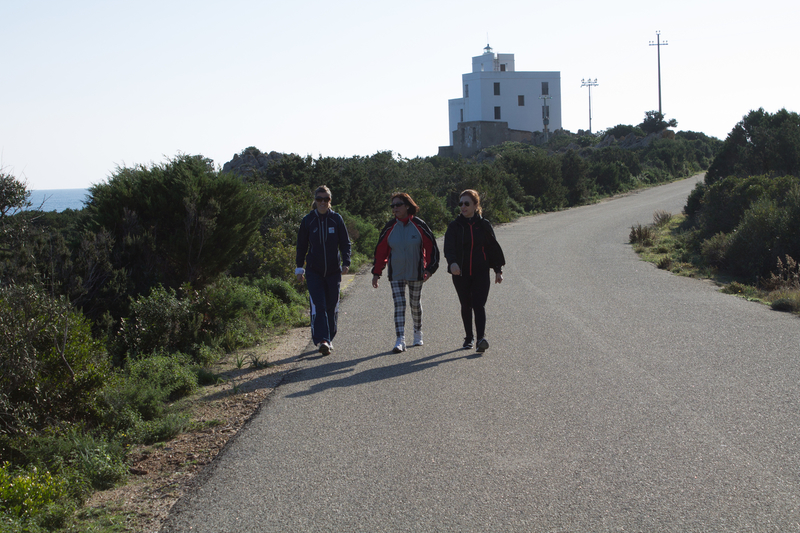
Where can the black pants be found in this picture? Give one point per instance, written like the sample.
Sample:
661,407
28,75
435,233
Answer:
472,293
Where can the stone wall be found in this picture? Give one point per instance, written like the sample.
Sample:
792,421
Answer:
472,137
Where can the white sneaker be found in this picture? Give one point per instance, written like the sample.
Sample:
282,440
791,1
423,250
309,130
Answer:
418,338
400,345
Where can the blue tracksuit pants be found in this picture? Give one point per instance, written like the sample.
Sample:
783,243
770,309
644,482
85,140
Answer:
323,291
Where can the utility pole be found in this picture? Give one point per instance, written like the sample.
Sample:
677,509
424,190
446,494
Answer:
589,83
545,114
658,44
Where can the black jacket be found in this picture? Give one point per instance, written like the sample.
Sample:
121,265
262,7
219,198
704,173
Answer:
320,241
471,244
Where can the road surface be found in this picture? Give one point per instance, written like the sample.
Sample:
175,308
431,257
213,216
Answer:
614,397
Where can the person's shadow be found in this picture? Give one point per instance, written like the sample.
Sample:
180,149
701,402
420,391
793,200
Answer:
342,375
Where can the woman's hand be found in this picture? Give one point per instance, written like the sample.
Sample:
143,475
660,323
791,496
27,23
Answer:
300,278
375,281
498,277
345,270
455,270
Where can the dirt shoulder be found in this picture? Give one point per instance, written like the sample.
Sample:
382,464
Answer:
162,473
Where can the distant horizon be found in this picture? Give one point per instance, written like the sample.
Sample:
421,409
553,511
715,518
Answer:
64,189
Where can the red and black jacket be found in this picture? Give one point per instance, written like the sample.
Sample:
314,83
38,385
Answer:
429,254
471,244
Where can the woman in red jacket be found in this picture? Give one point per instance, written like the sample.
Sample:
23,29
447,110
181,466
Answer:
408,246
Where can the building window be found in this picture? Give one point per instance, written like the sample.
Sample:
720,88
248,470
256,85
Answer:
497,113
462,116
521,100
466,91
497,88
503,67
545,88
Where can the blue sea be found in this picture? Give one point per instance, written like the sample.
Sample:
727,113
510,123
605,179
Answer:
58,199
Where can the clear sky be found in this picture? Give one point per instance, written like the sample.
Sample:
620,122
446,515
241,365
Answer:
87,86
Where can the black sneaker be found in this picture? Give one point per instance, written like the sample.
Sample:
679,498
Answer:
482,345
468,343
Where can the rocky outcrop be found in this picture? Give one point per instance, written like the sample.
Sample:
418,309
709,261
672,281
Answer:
631,141
251,163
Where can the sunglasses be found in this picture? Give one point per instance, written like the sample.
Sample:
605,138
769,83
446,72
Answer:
396,205
322,199
463,204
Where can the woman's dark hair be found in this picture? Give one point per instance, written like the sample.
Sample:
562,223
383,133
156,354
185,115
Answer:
472,193
406,198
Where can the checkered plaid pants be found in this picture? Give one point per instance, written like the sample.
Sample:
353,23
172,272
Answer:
399,296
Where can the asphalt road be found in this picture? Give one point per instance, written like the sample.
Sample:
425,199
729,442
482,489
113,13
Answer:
614,397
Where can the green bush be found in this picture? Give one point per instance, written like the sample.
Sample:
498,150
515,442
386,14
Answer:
103,463
363,235
140,394
644,235
272,252
654,122
623,130
159,321
51,368
761,143
175,223
432,210
714,249
171,373
25,493
239,311
160,429
787,304
538,173
609,175
751,250
661,218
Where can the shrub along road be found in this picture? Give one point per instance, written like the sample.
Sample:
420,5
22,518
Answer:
614,396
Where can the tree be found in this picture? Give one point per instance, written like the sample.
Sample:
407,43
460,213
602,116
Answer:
761,143
14,195
175,223
14,224
654,122
623,130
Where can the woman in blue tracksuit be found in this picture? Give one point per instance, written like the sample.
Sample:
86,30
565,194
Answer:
323,245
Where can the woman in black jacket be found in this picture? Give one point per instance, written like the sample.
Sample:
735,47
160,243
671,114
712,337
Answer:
323,245
471,249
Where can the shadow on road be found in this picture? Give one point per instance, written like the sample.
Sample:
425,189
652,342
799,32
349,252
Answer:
345,369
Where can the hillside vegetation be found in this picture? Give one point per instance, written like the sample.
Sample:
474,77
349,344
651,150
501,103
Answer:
742,223
111,313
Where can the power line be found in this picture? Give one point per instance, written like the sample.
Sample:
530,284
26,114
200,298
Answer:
589,83
658,44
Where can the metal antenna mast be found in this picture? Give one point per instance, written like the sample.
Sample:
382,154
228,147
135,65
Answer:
658,44
589,83
545,114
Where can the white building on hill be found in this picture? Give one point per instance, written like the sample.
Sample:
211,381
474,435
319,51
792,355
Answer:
501,104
